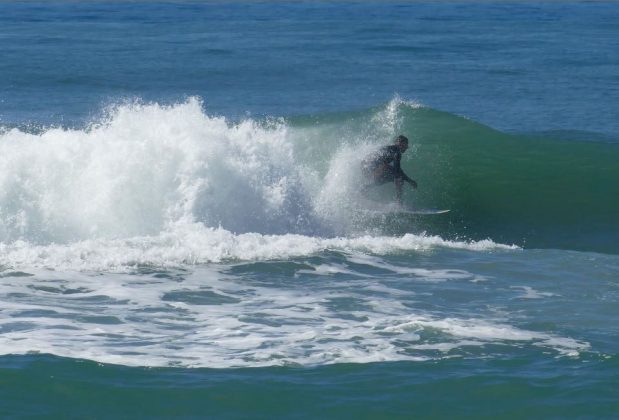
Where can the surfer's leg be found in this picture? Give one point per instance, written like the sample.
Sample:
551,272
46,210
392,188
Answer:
369,179
383,174
375,176
399,182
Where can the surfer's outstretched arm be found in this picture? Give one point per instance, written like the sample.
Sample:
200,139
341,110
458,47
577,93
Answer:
400,173
409,180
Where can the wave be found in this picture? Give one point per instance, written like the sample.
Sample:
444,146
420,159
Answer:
527,189
145,169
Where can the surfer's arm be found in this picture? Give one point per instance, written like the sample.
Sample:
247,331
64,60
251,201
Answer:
408,179
401,173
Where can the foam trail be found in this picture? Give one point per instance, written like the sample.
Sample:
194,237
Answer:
196,244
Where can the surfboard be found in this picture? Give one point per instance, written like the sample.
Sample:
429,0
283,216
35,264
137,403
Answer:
403,211
421,211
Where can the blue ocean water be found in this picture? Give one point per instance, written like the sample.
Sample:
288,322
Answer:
183,233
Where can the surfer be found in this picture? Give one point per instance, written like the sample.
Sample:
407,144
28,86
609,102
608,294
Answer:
383,166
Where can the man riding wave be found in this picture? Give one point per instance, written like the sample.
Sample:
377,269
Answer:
383,166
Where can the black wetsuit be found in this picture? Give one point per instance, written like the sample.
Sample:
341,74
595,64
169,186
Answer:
384,165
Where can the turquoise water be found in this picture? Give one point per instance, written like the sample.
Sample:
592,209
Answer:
182,230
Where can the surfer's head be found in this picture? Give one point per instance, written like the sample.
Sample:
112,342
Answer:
402,143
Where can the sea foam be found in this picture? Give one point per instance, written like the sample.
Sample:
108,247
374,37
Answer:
144,167
196,244
213,317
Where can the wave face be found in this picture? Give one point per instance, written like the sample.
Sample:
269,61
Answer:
530,190
151,171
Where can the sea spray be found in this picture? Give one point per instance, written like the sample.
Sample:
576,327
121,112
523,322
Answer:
146,167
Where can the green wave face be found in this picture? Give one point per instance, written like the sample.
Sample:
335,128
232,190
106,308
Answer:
531,191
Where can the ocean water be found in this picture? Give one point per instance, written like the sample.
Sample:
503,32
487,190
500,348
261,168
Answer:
183,233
